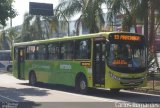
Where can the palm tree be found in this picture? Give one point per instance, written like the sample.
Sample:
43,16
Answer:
4,41
12,36
51,25
7,38
90,12
31,28
38,27
127,9
62,20
25,34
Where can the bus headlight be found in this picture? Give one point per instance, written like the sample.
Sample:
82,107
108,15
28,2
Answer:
114,77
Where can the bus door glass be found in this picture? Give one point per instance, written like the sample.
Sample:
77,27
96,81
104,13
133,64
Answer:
99,62
21,59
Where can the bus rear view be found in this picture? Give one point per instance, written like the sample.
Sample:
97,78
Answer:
5,60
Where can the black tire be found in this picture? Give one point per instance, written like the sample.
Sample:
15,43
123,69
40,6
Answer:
32,79
81,85
115,91
9,68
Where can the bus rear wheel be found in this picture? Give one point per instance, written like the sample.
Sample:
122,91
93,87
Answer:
32,79
81,85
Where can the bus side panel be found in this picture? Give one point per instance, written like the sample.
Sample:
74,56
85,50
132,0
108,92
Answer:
57,72
41,69
64,72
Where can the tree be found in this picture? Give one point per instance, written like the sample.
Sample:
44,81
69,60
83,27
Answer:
7,38
154,12
51,25
90,11
32,28
61,18
127,9
36,27
6,11
4,41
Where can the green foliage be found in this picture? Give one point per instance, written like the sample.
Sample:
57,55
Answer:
38,27
6,11
90,11
4,41
127,9
7,38
31,29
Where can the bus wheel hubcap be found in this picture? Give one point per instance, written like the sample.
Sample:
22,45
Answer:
82,85
32,79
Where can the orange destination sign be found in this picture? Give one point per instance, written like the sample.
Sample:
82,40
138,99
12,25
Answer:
120,62
127,37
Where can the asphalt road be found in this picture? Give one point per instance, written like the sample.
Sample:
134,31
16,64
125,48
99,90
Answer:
18,93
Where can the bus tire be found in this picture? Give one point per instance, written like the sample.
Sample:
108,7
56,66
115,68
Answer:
81,84
32,79
115,91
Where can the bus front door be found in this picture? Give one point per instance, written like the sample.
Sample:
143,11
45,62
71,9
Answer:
20,63
99,64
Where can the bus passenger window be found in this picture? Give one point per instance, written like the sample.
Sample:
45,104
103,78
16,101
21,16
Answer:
53,51
41,52
30,52
67,50
82,49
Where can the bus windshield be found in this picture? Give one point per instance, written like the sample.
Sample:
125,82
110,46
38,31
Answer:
126,57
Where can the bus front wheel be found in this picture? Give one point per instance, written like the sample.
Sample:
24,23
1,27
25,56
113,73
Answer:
81,85
32,79
115,91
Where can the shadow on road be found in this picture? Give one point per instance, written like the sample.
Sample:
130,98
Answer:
13,97
122,96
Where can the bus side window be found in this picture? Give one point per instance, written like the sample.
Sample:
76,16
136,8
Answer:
82,49
30,52
67,50
41,52
53,51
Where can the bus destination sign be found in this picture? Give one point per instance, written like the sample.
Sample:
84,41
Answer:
126,37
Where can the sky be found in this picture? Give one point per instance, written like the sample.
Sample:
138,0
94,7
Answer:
22,6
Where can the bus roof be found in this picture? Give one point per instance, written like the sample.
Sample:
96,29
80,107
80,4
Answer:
85,36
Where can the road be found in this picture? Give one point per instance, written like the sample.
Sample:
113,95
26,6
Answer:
14,90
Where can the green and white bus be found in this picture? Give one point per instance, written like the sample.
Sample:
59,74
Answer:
113,60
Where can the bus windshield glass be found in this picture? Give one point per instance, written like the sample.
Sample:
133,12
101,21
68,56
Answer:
126,57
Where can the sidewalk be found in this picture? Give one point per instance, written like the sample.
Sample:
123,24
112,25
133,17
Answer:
149,88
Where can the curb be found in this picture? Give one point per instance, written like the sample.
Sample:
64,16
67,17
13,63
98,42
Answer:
150,91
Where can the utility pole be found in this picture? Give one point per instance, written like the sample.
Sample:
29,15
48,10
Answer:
146,29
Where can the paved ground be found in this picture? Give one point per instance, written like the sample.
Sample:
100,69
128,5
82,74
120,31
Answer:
14,90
